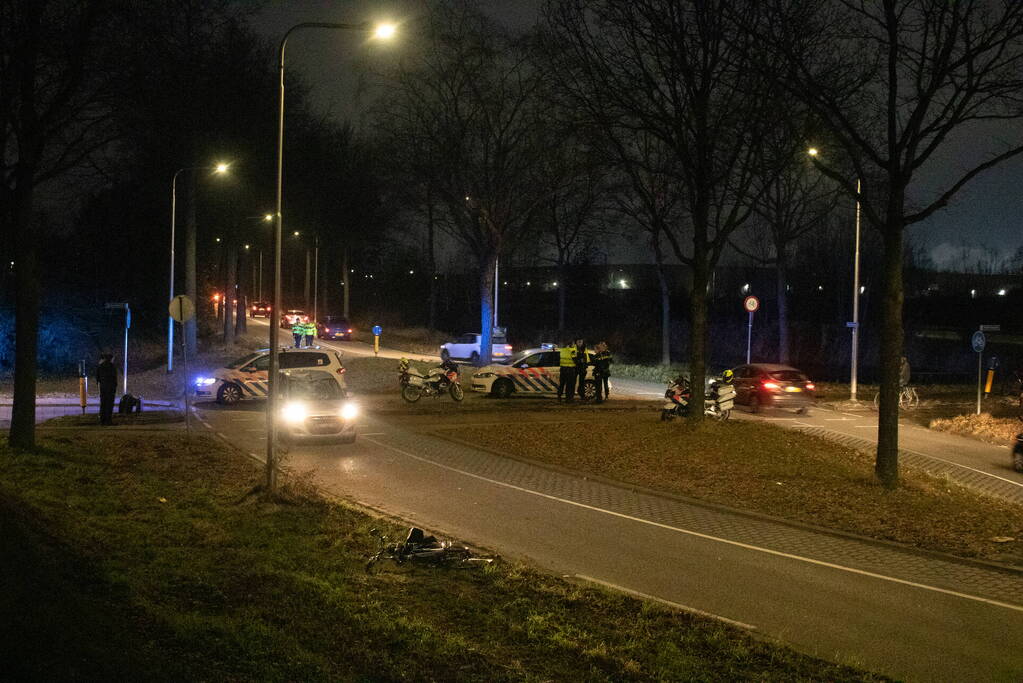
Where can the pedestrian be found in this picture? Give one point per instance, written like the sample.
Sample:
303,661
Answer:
298,331
310,333
582,360
106,376
904,373
602,370
566,372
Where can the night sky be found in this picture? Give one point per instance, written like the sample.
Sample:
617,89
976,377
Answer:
985,218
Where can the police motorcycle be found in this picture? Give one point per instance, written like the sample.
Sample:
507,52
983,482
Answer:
439,380
719,399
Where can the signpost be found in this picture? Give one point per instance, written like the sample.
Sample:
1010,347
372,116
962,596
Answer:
750,304
376,339
127,326
182,310
978,342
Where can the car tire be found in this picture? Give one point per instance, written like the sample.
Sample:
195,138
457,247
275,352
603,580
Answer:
502,389
411,393
455,389
229,394
754,404
444,355
474,358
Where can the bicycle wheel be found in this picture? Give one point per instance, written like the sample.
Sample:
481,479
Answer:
912,398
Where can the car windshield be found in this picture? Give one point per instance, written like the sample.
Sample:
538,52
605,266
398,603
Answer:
334,320
499,340
244,360
788,375
313,386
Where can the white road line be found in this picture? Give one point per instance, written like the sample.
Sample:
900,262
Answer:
965,467
852,415
221,435
374,434
838,419
697,534
669,603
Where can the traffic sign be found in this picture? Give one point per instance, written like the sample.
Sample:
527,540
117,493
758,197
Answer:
751,304
990,328
377,330
853,325
181,308
978,341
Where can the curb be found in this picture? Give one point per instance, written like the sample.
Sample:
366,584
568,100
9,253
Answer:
719,507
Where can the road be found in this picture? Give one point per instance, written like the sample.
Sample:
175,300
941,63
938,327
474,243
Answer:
905,614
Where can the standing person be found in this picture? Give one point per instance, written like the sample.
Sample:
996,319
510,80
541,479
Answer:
106,375
310,333
903,373
298,331
566,372
582,359
602,370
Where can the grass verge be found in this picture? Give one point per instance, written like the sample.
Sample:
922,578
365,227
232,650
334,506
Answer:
780,472
128,557
985,427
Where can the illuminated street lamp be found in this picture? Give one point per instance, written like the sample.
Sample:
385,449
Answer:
382,32
855,325
220,169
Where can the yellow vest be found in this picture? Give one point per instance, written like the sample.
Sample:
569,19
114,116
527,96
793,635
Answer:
567,356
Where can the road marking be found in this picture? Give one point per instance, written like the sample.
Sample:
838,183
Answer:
708,537
965,467
838,419
375,434
669,603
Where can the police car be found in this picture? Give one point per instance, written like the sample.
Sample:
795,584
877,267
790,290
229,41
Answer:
533,371
248,376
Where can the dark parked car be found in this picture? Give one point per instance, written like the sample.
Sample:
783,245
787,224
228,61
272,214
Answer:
260,308
334,327
766,385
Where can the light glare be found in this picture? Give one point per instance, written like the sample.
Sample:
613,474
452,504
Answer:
385,31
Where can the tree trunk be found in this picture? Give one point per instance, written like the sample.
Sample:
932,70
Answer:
230,289
886,467
698,335
662,281
562,298
783,305
431,264
26,312
347,280
487,307
191,344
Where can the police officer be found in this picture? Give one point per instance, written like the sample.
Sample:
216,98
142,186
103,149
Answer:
310,333
298,331
566,372
601,370
106,375
582,359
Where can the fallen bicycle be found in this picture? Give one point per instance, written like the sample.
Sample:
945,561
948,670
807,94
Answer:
420,549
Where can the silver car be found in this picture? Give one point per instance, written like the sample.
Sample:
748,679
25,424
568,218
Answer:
315,407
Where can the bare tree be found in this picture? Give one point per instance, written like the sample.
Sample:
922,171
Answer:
465,108
680,72
895,82
53,116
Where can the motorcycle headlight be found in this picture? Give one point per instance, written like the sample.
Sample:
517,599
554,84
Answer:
349,411
293,412
484,375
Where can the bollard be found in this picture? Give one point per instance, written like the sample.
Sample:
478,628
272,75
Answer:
83,386
990,381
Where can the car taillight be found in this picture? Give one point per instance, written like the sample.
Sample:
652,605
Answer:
771,385
507,347
811,386
349,330
341,370
326,330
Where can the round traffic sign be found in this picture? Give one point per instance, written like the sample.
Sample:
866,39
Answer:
978,341
751,304
377,330
181,308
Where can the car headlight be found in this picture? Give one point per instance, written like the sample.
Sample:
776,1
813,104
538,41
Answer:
204,381
484,375
349,411
293,412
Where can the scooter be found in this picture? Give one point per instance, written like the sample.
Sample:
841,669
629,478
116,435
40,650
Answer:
718,400
419,548
439,380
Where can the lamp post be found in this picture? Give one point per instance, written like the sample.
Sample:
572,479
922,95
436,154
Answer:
219,169
383,31
855,325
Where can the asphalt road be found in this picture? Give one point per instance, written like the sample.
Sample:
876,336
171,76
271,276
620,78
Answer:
904,614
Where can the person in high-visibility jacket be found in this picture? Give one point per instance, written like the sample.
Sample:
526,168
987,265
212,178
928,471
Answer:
566,372
298,331
602,370
582,360
310,333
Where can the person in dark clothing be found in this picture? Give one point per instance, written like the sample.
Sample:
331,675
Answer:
582,360
106,375
566,372
602,370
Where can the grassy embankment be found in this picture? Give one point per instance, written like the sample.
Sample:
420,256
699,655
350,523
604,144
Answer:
130,558
767,469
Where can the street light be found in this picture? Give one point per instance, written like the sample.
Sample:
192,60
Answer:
220,169
854,360
384,32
